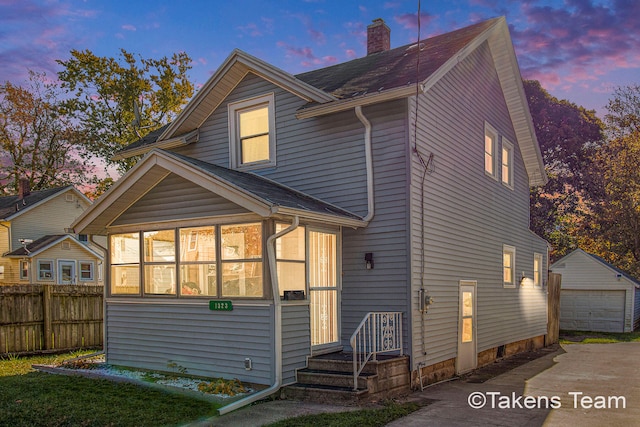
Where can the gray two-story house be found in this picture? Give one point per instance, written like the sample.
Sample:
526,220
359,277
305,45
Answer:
266,222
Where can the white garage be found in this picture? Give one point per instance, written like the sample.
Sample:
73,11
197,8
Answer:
595,295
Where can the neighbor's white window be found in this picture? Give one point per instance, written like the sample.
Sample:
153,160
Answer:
507,163
45,269
24,270
490,147
252,132
291,259
509,266
86,271
124,251
537,269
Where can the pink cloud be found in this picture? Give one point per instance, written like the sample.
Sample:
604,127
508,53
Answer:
128,27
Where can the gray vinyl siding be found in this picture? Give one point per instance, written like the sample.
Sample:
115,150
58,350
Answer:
385,287
469,217
296,340
207,343
177,198
636,308
323,157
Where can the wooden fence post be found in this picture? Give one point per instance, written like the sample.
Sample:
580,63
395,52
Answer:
46,309
554,285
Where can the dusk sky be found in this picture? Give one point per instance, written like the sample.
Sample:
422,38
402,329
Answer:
579,50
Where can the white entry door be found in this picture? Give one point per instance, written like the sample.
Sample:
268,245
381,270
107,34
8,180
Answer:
467,347
324,289
66,272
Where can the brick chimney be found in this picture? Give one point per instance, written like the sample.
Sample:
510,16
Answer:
378,37
24,189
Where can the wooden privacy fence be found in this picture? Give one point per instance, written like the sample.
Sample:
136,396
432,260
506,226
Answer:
50,317
553,298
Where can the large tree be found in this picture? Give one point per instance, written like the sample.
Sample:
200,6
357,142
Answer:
613,230
39,142
569,136
118,100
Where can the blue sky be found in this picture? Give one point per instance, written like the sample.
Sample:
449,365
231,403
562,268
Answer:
579,50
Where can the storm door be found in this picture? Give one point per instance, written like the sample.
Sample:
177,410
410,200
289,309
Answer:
324,289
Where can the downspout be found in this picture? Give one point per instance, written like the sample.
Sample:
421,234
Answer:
105,274
277,305
368,156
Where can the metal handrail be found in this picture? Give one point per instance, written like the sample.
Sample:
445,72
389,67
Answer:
379,332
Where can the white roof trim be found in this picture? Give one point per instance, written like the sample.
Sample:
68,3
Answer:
55,242
176,142
257,66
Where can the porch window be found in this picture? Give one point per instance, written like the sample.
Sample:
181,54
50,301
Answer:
86,271
252,132
45,270
537,269
241,263
125,263
291,260
490,146
198,271
507,163
508,266
159,262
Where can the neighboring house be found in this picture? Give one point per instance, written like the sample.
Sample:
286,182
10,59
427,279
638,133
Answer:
34,242
342,191
595,295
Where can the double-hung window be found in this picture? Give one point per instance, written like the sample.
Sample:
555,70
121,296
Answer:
537,269
45,270
86,271
198,270
252,133
159,262
507,163
509,266
125,263
490,147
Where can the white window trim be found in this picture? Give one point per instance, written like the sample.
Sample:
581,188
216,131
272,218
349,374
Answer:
93,270
53,271
540,258
235,154
506,249
506,144
491,131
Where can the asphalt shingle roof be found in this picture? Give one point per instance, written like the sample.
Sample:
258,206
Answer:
10,205
36,245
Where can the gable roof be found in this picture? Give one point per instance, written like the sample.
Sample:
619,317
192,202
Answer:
13,206
580,252
375,78
253,192
45,242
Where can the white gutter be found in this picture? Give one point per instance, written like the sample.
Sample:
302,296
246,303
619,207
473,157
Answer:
277,304
369,163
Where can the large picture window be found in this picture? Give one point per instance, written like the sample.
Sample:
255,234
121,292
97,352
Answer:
222,261
252,132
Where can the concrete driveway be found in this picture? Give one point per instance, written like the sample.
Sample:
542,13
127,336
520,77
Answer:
586,385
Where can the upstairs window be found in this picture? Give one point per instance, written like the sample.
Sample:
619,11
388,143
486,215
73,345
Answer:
490,146
252,133
507,163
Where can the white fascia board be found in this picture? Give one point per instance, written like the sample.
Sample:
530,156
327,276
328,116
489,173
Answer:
167,144
259,67
350,103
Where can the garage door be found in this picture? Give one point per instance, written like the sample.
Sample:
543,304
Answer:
592,310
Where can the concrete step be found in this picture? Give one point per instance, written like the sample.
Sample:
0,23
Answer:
325,394
334,378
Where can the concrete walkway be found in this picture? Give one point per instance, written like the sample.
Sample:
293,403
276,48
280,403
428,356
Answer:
561,388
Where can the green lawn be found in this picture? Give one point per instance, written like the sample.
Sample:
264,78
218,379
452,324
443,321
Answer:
31,398
582,337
